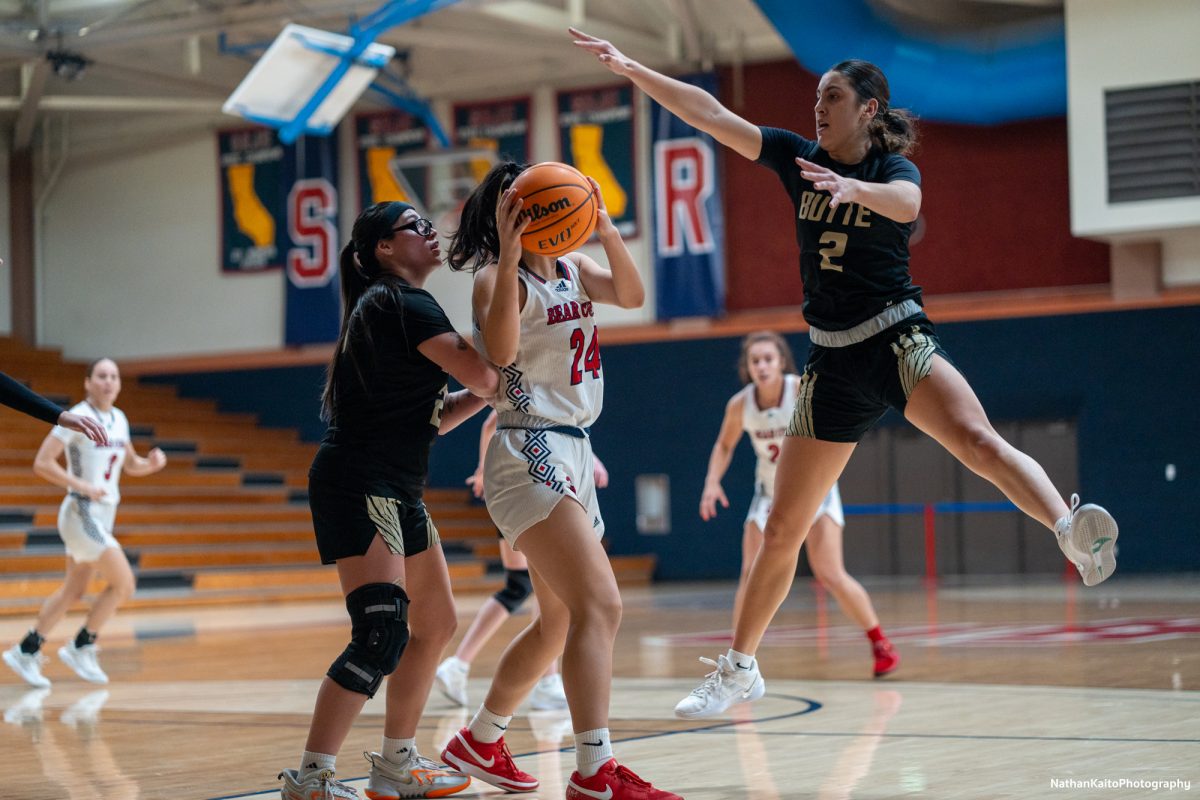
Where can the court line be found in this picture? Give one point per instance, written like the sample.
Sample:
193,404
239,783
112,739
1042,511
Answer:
967,736
813,705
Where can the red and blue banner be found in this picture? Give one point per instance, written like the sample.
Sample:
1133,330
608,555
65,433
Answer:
312,296
595,135
689,226
250,163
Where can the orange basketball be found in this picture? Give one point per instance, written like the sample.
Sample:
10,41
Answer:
560,206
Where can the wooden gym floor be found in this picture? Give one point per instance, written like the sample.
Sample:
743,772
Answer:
1005,689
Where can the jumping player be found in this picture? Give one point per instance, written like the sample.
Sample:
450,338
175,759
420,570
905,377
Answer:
856,197
85,523
761,410
539,482
385,402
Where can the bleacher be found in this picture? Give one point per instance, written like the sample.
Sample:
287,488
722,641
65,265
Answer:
227,521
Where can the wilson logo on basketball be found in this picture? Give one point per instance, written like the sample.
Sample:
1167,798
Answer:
537,211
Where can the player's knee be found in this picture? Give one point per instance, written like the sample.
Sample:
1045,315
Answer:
379,633
985,448
517,588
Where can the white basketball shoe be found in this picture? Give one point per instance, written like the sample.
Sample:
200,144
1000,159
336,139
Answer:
318,786
27,665
451,680
416,777
548,694
724,686
1088,538
83,661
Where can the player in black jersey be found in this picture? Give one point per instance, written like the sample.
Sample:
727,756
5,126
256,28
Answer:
856,198
385,401
19,397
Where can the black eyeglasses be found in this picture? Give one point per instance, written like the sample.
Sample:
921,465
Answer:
422,226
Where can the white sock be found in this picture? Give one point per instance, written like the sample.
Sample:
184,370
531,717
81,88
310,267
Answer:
398,751
314,762
740,661
592,750
487,727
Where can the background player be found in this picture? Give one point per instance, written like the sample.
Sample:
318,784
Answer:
85,523
762,410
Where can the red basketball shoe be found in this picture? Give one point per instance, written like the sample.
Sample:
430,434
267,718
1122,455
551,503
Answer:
886,657
491,763
614,782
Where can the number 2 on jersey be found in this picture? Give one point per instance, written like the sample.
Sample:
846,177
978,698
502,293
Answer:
590,356
112,460
835,247
774,448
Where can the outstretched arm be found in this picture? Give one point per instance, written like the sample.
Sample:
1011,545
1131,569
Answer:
23,399
718,460
691,104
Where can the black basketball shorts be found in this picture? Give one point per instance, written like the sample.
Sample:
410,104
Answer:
845,390
346,521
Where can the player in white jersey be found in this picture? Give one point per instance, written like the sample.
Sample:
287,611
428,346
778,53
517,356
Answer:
85,523
535,320
763,409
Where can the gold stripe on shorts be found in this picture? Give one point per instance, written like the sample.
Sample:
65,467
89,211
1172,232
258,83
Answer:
431,531
802,415
385,513
914,359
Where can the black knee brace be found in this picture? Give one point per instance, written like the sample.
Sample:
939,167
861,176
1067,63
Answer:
517,588
379,632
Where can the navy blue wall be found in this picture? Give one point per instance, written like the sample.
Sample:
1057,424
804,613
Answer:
1130,380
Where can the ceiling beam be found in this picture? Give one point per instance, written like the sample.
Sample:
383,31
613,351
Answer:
534,15
115,104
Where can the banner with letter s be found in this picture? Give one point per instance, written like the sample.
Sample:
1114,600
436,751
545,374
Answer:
689,225
312,295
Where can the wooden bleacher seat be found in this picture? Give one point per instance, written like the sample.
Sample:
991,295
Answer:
226,522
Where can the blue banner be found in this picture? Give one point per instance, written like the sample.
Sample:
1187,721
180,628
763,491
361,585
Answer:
312,291
689,225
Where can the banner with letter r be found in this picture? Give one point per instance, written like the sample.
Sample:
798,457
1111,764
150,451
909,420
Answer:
689,225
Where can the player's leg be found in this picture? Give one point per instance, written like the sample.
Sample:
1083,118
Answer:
25,658
806,470
943,405
825,556
81,653
398,769
452,673
752,538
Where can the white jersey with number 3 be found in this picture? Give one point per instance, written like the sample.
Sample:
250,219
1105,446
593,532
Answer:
557,378
98,465
767,428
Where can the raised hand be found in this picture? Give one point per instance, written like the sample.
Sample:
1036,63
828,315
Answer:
604,52
510,225
844,190
85,425
603,220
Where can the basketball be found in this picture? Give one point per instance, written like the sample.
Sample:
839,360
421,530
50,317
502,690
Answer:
560,206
